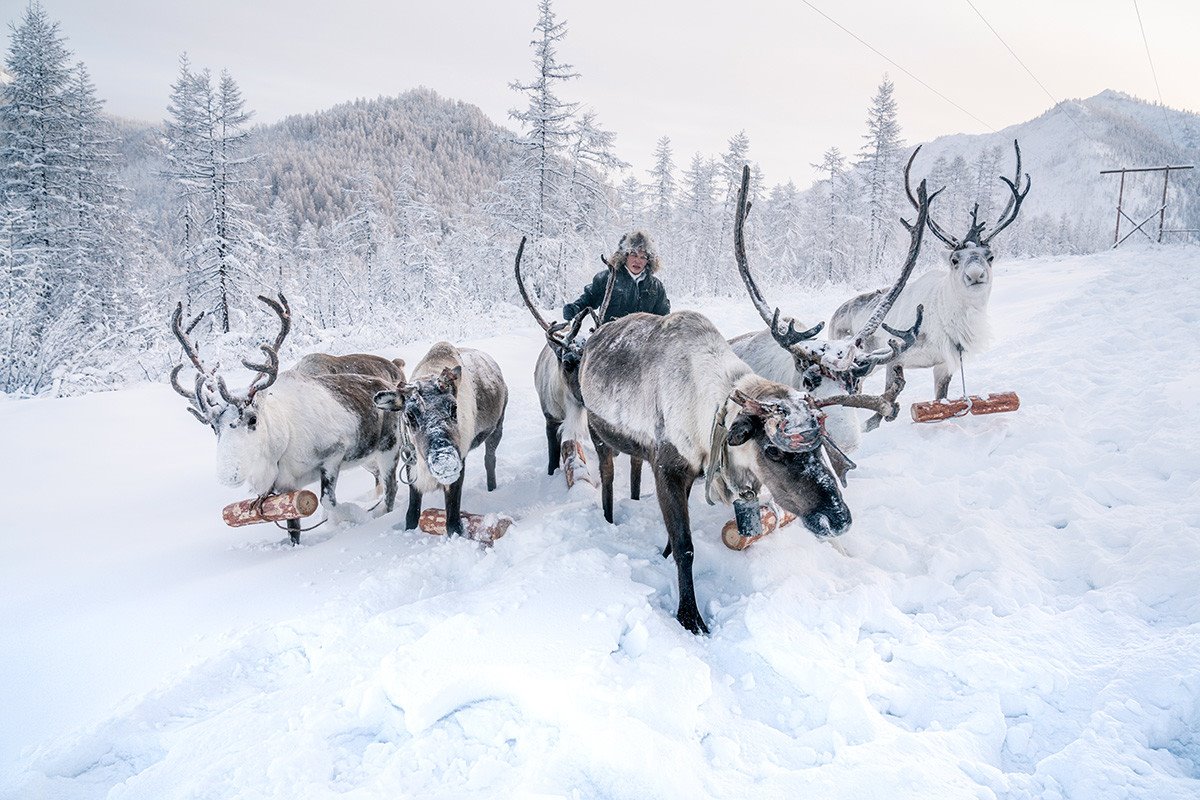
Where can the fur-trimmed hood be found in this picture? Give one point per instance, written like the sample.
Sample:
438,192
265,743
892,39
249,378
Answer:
637,240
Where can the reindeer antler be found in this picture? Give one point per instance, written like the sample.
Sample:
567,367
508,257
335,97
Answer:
934,228
786,338
1015,200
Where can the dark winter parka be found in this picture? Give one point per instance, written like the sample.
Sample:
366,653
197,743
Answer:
629,295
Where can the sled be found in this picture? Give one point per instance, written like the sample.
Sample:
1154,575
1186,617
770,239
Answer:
937,410
574,463
483,528
734,540
272,508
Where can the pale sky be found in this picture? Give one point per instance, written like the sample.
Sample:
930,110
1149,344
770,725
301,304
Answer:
696,71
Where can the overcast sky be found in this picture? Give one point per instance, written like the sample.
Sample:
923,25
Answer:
694,70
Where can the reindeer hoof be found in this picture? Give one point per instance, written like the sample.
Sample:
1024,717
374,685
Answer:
872,423
693,622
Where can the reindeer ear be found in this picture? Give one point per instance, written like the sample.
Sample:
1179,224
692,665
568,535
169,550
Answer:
450,376
388,401
742,429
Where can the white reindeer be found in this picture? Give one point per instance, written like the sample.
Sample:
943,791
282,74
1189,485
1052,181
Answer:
955,301
291,429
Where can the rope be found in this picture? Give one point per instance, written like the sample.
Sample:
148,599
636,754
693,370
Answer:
962,374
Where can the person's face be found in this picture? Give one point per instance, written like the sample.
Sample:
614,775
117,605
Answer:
635,262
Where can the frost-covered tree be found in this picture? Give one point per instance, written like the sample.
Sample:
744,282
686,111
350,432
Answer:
835,216
206,145
533,196
631,203
880,162
592,159
661,193
698,225
66,245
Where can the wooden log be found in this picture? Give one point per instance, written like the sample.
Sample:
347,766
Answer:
935,410
477,527
272,508
770,521
574,463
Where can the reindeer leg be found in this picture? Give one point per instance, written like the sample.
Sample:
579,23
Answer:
635,478
454,526
414,509
674,481
489,454
604,455
941,382
293,527
328,485
553,442
392,463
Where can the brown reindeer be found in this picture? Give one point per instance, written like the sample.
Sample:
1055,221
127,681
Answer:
454,402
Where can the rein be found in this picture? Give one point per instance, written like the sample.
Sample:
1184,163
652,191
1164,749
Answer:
408,454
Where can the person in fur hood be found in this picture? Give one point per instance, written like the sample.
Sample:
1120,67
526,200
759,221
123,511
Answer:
636,288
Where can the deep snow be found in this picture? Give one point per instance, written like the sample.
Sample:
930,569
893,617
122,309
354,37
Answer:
1016,613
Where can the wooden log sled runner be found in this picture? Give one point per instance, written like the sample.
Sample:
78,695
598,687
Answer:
271,508
739,537
936,410
478,527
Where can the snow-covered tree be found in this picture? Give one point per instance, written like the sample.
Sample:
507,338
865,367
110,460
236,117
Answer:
205,146
661,194
880,162
834,217
533,196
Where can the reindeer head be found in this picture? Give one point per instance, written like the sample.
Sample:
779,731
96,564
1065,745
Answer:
430,409
971,257
845,362
243,447
777,436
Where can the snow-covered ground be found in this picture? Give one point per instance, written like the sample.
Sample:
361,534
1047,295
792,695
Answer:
1016,614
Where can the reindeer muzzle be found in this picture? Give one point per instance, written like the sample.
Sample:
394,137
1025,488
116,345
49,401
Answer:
445,465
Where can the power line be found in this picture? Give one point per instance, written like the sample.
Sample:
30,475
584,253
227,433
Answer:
1013,53
1162,105
896,65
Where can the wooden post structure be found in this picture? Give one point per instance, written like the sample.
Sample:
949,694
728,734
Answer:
1160,212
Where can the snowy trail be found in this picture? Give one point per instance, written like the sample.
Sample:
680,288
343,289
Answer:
1017,615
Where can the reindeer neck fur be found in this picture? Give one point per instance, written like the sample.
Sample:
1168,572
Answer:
963,315
300,425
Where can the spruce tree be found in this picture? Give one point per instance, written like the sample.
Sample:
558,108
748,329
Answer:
880,164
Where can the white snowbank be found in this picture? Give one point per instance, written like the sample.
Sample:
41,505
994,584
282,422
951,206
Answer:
1017,615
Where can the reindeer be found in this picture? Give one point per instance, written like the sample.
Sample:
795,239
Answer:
291,429
955,301
454,402
828,368
556,378
391,371
671,390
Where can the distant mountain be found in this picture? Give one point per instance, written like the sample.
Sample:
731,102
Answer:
315,162
450,151
1064,151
